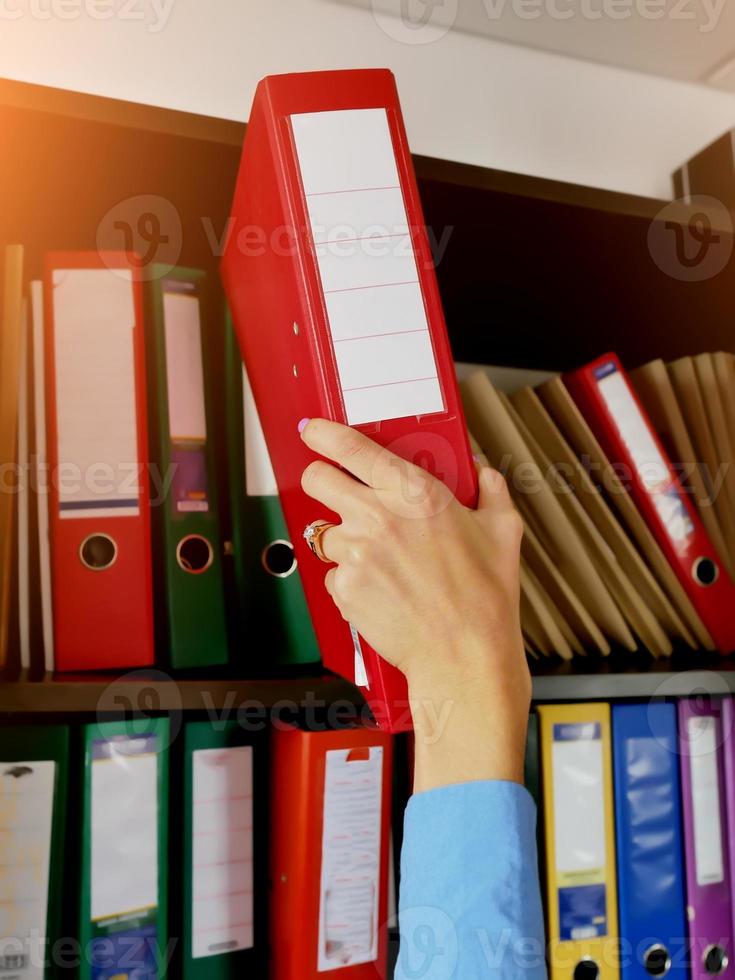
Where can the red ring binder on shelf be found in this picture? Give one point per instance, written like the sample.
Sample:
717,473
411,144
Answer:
99,498
334,298
329,853
604,394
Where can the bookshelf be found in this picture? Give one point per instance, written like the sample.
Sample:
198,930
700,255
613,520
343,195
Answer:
533,273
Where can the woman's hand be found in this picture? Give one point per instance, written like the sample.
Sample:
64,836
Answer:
434,589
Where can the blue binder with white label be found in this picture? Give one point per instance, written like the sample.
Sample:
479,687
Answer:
649,842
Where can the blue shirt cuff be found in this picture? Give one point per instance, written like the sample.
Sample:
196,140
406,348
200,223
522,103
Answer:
470,904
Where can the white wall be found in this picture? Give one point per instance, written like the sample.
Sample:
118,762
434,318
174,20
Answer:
465,98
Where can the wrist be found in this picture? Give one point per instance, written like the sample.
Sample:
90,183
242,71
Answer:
470,727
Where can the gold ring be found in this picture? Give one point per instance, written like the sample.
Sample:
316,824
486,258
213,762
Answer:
313,534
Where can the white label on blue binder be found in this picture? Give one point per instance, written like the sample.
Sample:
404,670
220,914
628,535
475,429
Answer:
222,851
702,747
124,827
260,480
94,362
26,816
184,370
377,318
579,829
350,878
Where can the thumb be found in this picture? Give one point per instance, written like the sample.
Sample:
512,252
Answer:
495,507
493,490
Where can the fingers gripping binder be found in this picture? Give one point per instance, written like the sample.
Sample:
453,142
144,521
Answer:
334,298
604,393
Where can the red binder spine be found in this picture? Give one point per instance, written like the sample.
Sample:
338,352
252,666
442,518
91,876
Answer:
606,397
99,517
302,919
327,330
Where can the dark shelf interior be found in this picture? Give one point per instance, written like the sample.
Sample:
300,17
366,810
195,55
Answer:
533,273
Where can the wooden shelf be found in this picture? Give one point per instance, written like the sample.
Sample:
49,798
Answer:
611,679
151,691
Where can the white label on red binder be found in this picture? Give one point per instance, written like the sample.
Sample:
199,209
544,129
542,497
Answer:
702,747
26,815
647,459
222,851
260,480
377,319
350,879
184,371
94,322
636,435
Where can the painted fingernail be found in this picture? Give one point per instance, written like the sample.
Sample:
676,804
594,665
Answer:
477,457
302,424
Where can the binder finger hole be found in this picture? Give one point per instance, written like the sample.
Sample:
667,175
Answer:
705,571
657,961
98,552
715,960
278,559
586,970
194,554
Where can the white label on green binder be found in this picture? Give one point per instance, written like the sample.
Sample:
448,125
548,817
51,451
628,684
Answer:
124,827
222,851
260,480
94,363
350,878
26,816
369,277
702,746
184,370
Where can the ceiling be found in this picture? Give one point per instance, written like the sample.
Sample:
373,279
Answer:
692,40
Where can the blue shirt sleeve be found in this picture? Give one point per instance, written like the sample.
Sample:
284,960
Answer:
470,903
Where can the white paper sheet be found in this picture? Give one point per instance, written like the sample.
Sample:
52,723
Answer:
24,496
634,432
708,857
377,319
350,876
26,816
260,480
124,834
94,322
184,370
579,817
222,852
41,460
